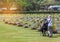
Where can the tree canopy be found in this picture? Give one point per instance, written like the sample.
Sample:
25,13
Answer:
30,5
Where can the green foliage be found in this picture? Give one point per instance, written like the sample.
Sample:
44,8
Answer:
23,2
33,5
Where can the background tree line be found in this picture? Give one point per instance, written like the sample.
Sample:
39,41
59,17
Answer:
33,5
36,5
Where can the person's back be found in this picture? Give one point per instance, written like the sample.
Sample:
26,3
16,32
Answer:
44,27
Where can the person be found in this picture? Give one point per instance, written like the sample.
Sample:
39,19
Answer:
50,29
44,27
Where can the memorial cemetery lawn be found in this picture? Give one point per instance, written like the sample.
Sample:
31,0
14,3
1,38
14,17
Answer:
11,33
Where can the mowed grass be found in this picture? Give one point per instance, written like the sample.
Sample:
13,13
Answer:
11,33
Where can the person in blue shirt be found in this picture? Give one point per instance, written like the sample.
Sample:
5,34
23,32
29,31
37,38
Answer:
50,29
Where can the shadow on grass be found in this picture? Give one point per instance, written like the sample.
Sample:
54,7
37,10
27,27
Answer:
54,36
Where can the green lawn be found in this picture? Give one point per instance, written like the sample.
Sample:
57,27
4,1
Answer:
10,33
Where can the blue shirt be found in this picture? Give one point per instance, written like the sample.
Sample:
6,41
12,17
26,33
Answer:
49,21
